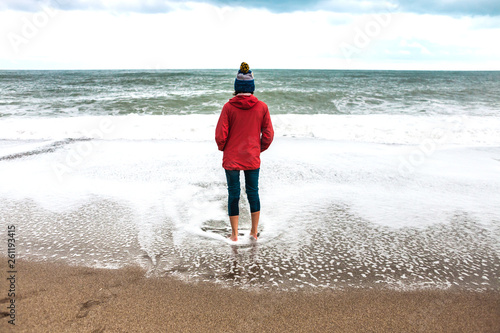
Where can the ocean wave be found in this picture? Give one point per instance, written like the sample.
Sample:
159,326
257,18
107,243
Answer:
38,148
49,93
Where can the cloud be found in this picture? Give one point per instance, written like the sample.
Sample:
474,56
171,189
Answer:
445,7
423,49
160,6
202,35
126,6
457,7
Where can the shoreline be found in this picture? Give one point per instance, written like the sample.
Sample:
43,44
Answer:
53,297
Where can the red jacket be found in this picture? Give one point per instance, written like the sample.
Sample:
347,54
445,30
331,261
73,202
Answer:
244,131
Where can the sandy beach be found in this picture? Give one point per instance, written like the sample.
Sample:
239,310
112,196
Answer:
52,297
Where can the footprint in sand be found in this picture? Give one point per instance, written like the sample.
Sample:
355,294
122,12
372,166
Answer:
105,295
86,307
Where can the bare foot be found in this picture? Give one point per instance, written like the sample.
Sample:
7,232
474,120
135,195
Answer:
254,236
234,238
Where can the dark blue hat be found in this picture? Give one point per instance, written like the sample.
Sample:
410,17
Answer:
244,82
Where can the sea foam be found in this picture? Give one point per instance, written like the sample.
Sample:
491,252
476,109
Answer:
346,200
388,129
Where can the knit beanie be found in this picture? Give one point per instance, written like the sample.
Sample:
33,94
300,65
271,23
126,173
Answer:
244,82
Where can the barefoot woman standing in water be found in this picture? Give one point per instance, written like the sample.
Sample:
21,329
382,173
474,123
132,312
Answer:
244,130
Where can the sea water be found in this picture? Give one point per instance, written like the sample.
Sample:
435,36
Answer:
374,178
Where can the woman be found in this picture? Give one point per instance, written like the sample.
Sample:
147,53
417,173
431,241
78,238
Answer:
244,131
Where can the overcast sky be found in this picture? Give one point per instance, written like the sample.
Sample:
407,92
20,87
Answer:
157,34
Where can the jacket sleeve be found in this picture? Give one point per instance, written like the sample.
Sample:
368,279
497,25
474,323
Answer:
222,129
267,131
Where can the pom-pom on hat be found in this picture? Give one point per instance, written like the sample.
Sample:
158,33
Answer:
244,82
244,68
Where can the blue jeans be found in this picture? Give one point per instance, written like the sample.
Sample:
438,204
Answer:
252,189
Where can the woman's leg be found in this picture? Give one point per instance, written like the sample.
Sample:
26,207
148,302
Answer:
252,189
255,224
233,188
234,227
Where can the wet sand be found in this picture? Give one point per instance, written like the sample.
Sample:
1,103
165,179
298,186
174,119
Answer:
58,298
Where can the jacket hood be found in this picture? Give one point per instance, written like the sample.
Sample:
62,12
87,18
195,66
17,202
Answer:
243,102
